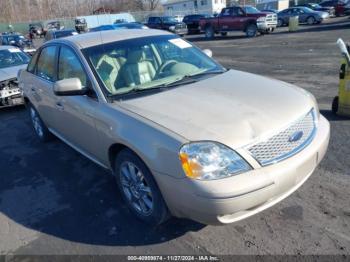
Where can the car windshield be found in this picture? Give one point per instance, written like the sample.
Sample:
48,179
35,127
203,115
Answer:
12,57
169,19
251,10
148,63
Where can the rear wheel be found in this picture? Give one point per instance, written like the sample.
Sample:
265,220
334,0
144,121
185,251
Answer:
310,20
209,32
251,30
139,190
335,105
223,33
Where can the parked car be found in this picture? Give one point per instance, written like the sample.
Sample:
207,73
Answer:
236,19
132,25
12,59
80,25
36,30
176,141
19,41
306,15
317,7
54,34
167,23
192,22
341,7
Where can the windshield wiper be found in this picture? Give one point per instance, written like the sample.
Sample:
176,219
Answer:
188,79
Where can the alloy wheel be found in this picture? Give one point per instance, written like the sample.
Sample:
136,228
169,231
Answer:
136,189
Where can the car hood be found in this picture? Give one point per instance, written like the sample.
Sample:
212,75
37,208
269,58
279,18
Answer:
10,72
234,108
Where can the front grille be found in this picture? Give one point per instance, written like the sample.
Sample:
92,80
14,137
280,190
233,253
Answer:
271,18
180,26
281,145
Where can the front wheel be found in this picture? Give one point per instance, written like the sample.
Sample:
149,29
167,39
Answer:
311,20
40,128
139,190
251,30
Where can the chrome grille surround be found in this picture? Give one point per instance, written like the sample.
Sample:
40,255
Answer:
279,147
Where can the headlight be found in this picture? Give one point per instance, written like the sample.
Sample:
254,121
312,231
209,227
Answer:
172,28
261,19
210,160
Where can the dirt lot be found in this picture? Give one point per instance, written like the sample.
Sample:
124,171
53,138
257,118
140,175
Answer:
54,201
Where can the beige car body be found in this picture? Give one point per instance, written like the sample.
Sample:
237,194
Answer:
237,109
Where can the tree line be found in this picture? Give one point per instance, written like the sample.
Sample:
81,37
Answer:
12,11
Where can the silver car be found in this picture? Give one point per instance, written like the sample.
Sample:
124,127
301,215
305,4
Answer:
182,135
12,59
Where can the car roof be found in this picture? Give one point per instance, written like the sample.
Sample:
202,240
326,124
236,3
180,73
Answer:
105,37
6,47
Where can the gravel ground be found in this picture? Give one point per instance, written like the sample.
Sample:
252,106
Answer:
55,201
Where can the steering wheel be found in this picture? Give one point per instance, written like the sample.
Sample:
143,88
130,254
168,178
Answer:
164,65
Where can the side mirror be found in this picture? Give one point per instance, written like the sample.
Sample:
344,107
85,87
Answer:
208,52
69,87
343,49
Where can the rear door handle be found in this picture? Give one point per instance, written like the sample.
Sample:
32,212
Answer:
59,106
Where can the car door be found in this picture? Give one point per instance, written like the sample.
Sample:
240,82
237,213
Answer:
40,88
225,20
75,114
301,14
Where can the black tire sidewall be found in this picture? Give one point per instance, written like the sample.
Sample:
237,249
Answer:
160,211
256,30
313,20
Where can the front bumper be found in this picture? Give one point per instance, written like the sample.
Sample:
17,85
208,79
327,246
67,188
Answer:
181,31
232,199
265,26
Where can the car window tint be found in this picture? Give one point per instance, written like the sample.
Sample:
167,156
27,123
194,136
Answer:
32,63
69,66
46,63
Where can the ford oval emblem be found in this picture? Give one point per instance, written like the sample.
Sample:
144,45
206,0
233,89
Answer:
296,136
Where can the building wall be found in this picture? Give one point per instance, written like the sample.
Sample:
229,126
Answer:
195,6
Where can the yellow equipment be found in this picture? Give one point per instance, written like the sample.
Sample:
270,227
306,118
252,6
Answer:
341,103
293,23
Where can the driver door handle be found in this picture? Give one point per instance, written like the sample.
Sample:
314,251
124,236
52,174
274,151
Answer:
59,106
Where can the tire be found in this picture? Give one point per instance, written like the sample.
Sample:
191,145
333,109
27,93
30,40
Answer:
251,30
280,23
223,33
310,20
139,189
40,128
335,105
209,32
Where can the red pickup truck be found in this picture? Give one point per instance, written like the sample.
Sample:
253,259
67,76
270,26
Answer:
236,18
